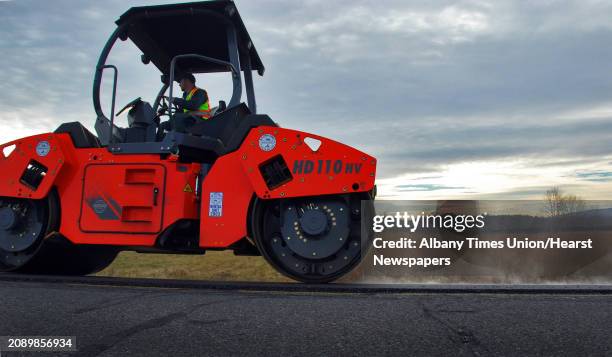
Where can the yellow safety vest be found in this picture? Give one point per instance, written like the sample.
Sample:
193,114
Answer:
204,109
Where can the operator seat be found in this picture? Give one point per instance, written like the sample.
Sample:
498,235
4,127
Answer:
217,110
231,126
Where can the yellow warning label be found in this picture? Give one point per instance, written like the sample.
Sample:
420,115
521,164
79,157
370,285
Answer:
187,188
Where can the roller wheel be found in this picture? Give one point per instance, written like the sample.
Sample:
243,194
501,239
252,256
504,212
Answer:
313,239
23,225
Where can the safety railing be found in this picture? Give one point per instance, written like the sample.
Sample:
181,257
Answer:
111,138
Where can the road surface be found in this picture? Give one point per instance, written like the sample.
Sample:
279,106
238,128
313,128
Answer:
163,321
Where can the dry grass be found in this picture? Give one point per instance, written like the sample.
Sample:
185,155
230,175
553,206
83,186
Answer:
215,265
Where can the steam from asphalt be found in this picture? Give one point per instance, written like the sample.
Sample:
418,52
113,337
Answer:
598,272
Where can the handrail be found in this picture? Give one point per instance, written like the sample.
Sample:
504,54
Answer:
100,67
112,116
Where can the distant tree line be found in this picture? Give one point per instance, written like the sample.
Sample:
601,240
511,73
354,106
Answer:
557,203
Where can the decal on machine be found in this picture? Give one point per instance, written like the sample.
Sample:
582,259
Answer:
99,206
43,148
326,167
267,142
103,210
215,204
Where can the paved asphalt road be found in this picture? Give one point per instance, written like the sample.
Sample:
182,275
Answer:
126,321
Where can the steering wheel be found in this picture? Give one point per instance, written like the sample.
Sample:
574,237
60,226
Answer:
165,109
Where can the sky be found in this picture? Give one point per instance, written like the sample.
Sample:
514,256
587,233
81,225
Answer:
456,99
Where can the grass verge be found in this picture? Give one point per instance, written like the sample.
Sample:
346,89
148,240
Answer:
214,265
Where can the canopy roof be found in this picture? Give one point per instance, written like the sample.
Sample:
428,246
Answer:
164,31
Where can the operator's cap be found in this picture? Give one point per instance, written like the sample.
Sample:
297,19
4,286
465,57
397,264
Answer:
187,75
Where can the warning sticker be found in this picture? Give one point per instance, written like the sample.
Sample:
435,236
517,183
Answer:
187,188
43,148
215,205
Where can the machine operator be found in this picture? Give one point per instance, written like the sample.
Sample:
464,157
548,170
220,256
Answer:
194,104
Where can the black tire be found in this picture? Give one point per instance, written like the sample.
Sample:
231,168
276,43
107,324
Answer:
51,253
319,257
35,219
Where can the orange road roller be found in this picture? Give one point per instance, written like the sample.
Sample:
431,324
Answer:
71,200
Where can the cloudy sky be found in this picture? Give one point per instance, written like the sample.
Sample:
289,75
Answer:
455,98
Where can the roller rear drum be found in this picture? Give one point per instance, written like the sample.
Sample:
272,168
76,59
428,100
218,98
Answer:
313,239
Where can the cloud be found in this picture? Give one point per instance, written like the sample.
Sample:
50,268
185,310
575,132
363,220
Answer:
597,176
425,187
431,88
